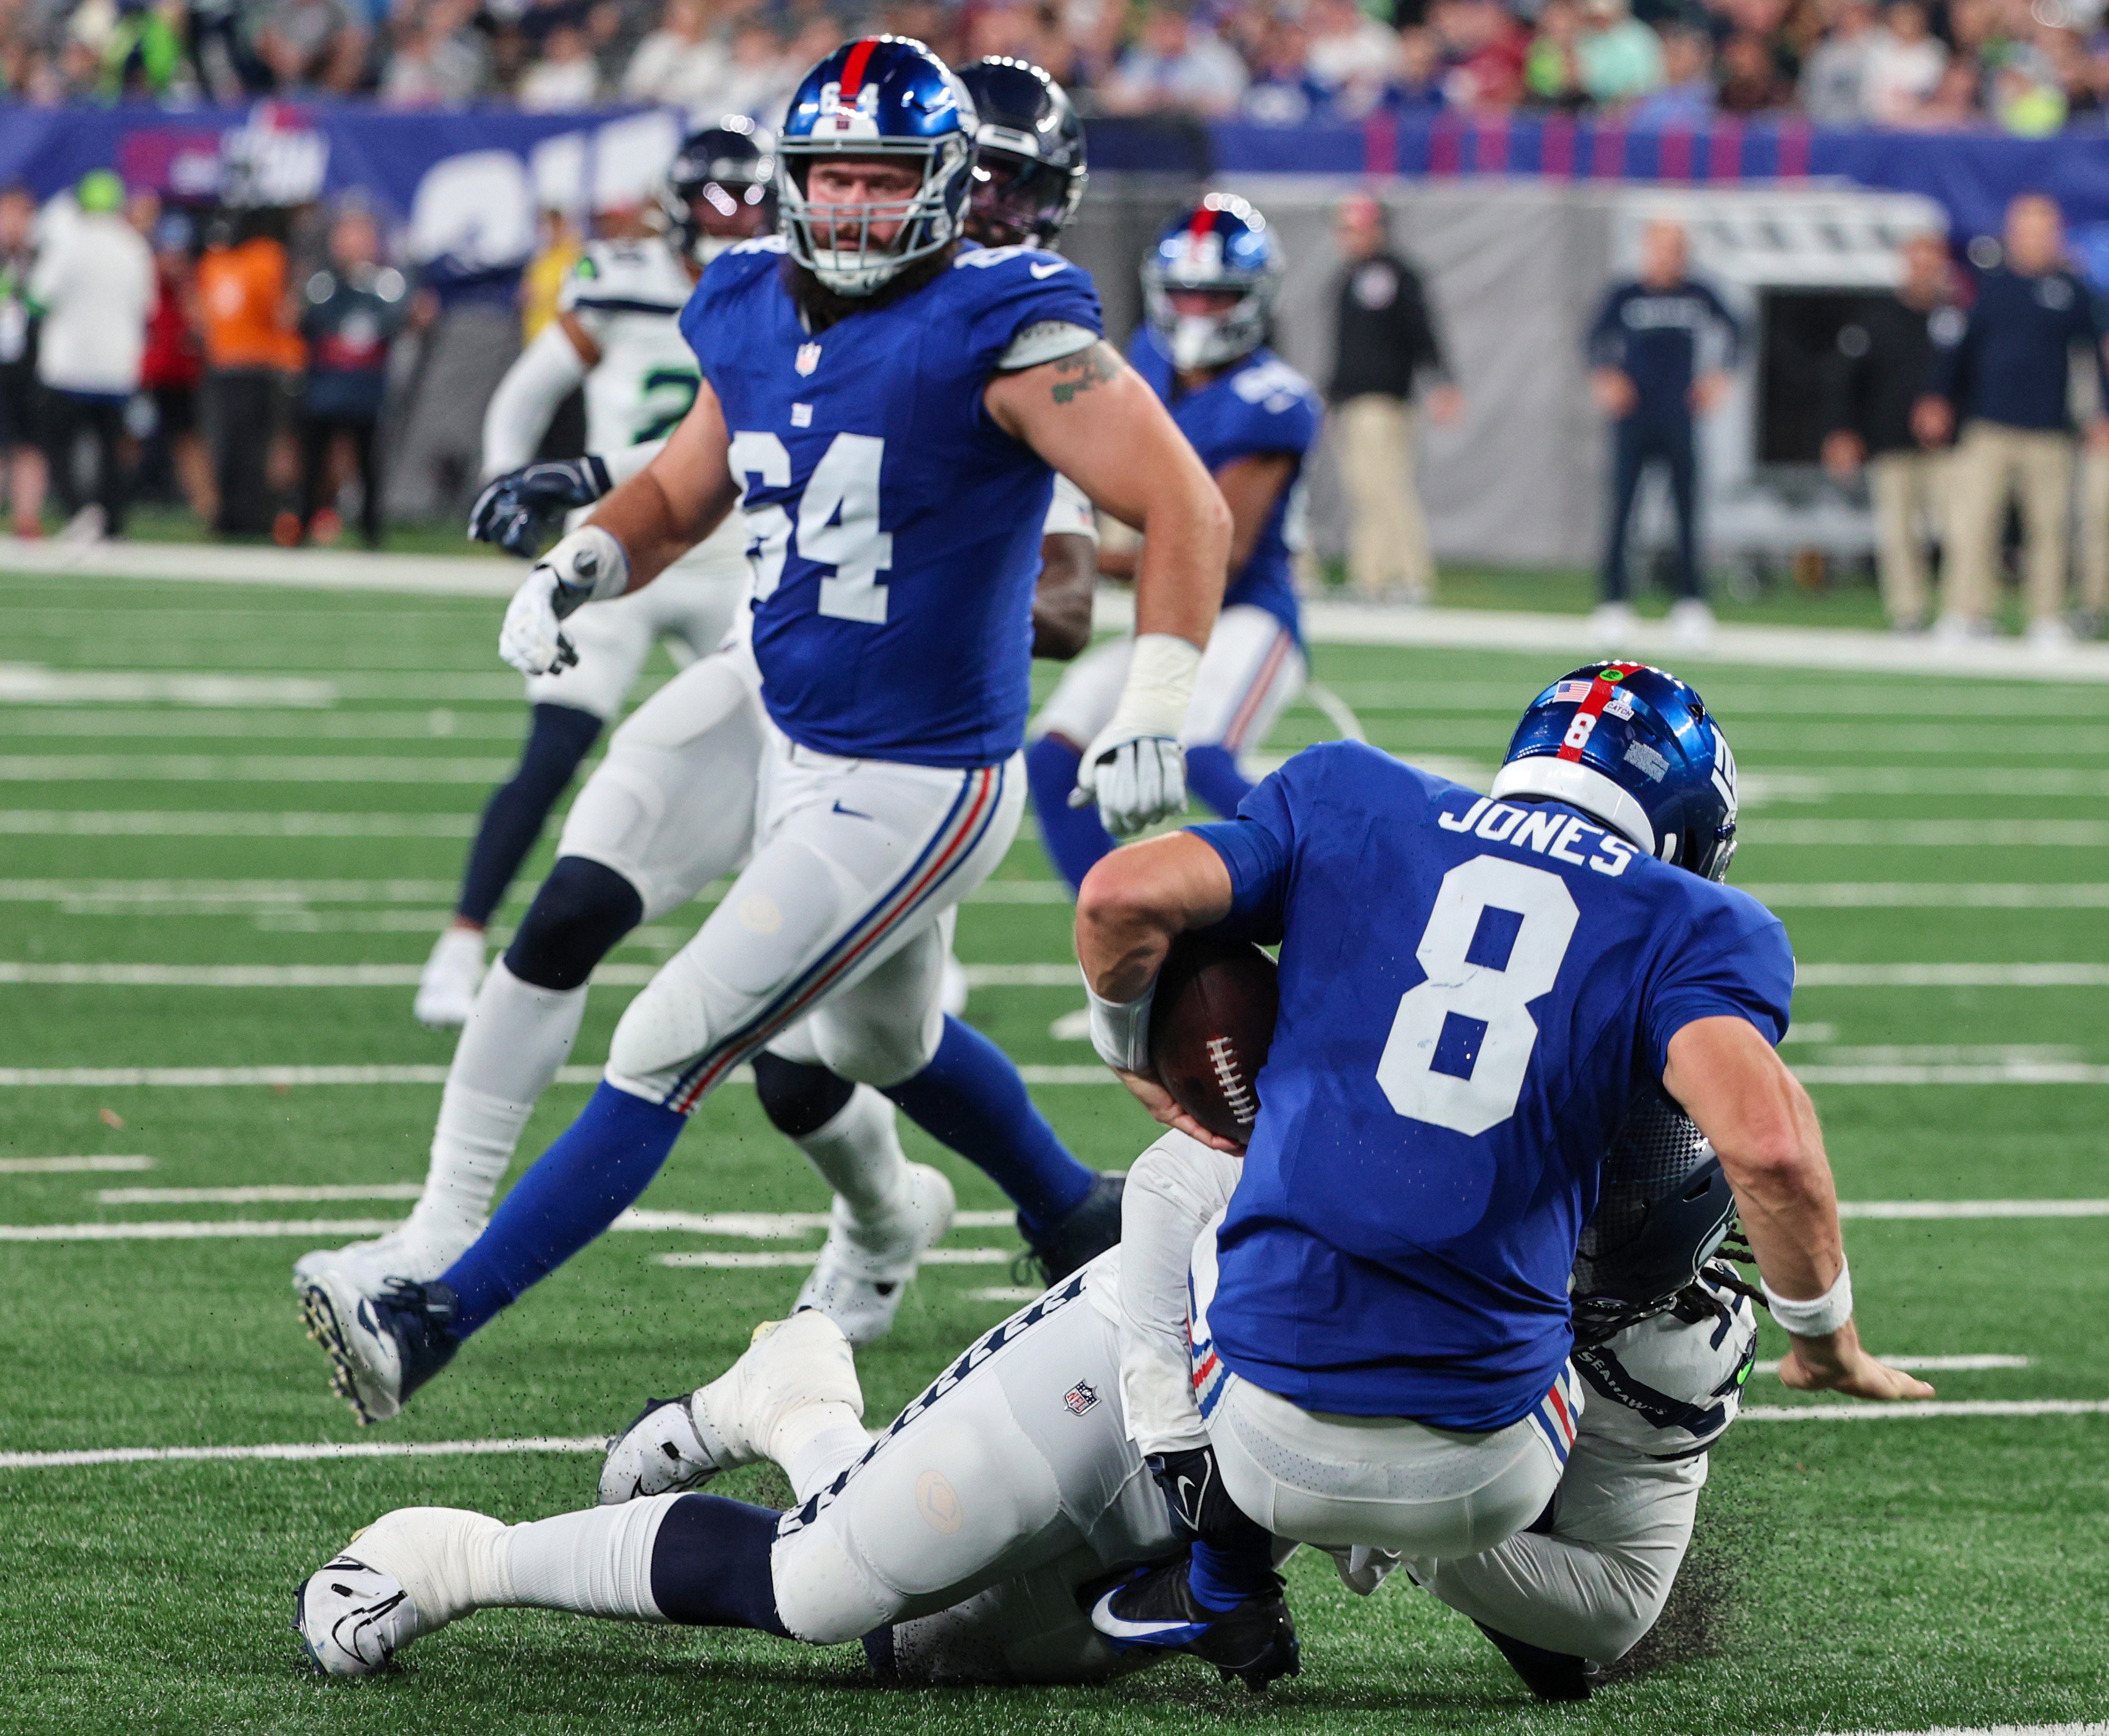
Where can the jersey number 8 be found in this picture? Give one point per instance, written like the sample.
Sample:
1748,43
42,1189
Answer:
1462,1041
837,523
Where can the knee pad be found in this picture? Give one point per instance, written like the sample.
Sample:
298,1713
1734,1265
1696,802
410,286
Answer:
877,1052
798,1100
580,911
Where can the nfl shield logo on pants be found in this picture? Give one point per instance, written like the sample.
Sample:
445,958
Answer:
809,358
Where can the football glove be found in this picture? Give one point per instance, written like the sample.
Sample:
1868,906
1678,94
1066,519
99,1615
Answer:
1193,1491
589,566
1137,780
516,510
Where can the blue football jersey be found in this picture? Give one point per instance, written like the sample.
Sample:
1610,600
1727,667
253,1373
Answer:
893,528
1259,406
1473,995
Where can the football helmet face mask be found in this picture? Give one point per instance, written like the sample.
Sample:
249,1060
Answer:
1029,172
1635,747
1664,1208
879,99
1221,248
717,191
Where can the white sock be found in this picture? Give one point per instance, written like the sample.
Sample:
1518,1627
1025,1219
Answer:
858,1154
598,1562
516,1036
828,1442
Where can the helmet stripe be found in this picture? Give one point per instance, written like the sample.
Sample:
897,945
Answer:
853,68
1600,695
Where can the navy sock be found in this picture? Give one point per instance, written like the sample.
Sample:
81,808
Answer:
709,1565
971,1098
559,738
1072,836
600,1165
1212,775
1221,1575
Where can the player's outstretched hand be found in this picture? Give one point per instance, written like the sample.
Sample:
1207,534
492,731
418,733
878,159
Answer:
1137,780
516,510
532,639
1152,1097
1838,1364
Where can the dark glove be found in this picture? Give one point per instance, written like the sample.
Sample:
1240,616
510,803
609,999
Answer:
1193,1491
517,510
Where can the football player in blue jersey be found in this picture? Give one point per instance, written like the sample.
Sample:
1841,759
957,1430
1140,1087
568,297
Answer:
957,1545
1372,1345
887,404
664,814
1208,287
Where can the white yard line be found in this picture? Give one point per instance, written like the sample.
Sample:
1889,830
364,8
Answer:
194,893
2068,975
73,1165
1931,834
1929,895
1972,1209
1930,1364
773,1226
713,1260
33,683
264,1194
2009,1073
180,1079
212,768
299,1450
304,569
1733,698
1870,1411
34,822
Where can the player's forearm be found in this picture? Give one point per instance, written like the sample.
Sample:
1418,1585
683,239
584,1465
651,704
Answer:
1062,600
1174,1190
1185,560
546,372
1134,901
640,517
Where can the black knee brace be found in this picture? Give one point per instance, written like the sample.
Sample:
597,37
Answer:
798,1098
581,910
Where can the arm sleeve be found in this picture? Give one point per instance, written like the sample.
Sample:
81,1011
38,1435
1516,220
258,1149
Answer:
1606,344
1174,1190
545,373
1012,297
1734,960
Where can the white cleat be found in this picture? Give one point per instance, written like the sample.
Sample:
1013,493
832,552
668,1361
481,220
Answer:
864,1269
452,973
1691,624
416,1251
1612,625
2049,636
681,1444
405,1576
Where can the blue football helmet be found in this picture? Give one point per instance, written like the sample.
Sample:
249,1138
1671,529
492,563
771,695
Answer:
1635,747
1029,172
880,96
1220,245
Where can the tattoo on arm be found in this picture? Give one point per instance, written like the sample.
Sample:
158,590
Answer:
1080,373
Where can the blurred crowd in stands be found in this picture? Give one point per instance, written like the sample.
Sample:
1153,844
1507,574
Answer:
2029,67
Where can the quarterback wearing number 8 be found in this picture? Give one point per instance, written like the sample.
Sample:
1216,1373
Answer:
1371,1344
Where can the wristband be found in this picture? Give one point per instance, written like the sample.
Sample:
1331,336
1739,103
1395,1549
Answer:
1160,685
590,566
1120,1030
1820,1316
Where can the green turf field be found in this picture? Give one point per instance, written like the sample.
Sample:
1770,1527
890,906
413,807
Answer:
1849,1576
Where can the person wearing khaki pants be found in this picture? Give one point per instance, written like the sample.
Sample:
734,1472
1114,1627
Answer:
1907,488
2008,380
1385,339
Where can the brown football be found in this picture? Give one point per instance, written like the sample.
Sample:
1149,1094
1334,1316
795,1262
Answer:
1209,1028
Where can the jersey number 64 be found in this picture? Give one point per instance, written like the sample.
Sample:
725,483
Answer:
837,522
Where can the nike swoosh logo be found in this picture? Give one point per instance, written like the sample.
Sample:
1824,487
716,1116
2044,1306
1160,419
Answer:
1117,1627
1049,269
851,812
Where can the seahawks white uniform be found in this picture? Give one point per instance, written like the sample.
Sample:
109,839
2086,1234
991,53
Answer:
627,296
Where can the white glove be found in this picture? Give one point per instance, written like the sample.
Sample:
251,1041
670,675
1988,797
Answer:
1134,766
589,566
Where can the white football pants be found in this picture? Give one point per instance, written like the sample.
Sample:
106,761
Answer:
693,606
839,915
1249,673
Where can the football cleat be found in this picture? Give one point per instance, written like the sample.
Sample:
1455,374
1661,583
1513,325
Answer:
382,1349
660,1453
352,1619
1550,1676
1154,1609
1092,1226
447,986
681,1444
415,1252
864,1270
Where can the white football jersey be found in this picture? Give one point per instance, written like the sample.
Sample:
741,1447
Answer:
628,296
1669,1386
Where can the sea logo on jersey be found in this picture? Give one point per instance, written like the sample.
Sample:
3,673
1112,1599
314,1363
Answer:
1079,1398
809,358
